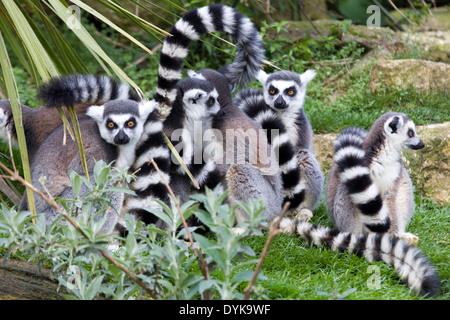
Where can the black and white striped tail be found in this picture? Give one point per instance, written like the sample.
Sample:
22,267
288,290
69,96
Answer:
251,101
216,17
408,261
149,185
354,173
72,89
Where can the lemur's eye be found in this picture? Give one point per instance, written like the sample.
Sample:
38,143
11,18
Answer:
410,133
111,124
290,92
131,124
272,91
211,101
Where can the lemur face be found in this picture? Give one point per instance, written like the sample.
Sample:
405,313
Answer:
120,122
121,128
285,90
200,104
401,131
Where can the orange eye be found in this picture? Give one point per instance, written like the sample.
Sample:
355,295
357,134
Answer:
130,124
290,92
111,125
411,133
272,91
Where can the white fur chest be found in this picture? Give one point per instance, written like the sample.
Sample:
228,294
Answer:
289,118
385,168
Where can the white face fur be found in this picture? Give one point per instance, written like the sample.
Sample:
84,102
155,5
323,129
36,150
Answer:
285,95
200,104
121,128
401,132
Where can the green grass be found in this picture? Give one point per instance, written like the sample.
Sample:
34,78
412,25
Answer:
295,270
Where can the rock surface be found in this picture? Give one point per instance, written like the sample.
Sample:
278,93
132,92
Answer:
424,75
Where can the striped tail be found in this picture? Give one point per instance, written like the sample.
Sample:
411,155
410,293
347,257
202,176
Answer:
251,101
73,89
149,185
216,17
354,173
408,261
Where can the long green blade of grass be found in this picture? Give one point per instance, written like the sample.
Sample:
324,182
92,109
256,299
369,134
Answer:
67,16
111,24
41,60
12,92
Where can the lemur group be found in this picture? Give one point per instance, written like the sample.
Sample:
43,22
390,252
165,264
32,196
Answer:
369,194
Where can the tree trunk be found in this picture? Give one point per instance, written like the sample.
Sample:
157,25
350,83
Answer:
21,280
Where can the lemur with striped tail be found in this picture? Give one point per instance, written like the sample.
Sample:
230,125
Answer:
370,200
280,106
368,189
88,89
119,123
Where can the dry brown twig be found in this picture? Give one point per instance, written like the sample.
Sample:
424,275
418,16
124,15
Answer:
274,231
201,262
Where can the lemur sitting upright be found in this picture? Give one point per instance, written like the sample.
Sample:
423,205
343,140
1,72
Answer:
370,201
248,168
368,189
120,123
280,106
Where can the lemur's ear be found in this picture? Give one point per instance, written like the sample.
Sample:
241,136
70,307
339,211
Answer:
96,112
146,107
393,124
262,77
307,76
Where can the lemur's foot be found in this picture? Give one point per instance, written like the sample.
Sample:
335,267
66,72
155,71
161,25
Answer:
286,225
304,215
409,237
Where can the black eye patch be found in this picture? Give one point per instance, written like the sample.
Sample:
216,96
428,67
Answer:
131,123
110,124
291,91
272,90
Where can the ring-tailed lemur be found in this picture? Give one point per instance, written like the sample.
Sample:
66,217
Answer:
120,123
368,189
280,106
370,200
248,168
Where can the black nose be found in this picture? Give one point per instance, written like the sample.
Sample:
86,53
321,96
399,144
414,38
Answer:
418,146
280,103
121,138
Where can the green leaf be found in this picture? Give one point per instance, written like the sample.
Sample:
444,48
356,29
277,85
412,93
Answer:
93,289
211,249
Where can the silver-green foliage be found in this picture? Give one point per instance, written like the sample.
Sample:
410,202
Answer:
161,259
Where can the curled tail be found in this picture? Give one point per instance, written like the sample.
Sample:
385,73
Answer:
408,261
72,89
354,174
216,17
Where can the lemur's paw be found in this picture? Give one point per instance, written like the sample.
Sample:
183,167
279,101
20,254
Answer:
304,215
410,238
286,225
